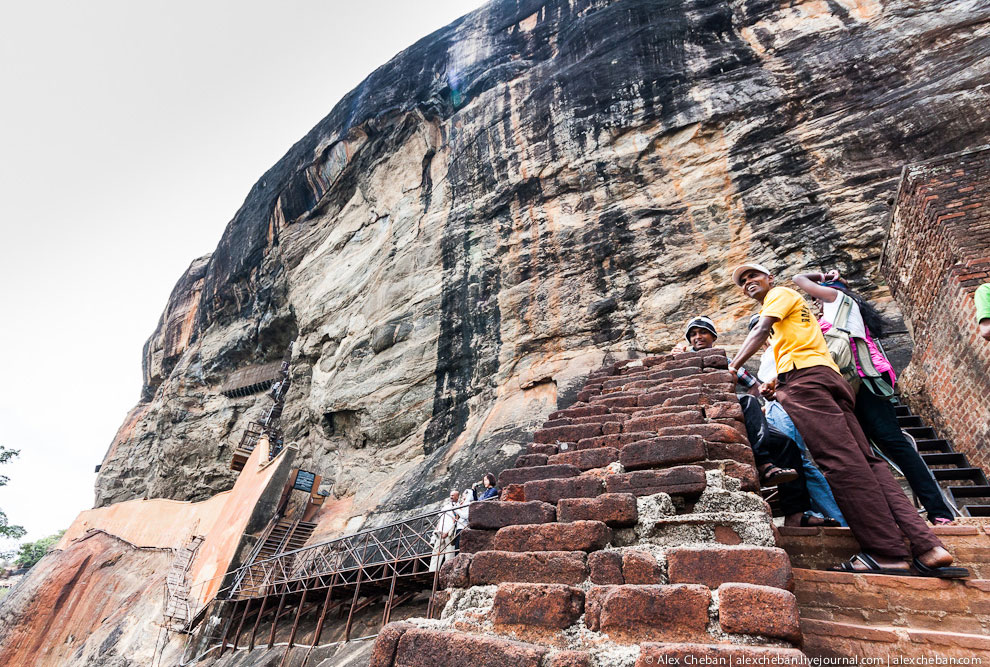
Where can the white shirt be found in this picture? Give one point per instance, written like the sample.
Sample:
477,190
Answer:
854,323
768,366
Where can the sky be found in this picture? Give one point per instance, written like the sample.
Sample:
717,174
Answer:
130,133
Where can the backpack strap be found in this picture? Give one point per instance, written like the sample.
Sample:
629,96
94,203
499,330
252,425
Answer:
842,317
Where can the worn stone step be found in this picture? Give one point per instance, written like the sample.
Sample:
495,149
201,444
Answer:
567,433
761,611
575,536
660,421
723,655
714,565
662,451
584,410
558,567
523,475
495,514
556,606
586,459
628,566
823,548
682,480
531,460
405,645
634,613
552,490
915,602
831,639
617,440
615,509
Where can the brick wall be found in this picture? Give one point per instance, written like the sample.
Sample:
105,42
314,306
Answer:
937,253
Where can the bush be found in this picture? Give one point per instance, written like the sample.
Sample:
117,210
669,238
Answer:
31,552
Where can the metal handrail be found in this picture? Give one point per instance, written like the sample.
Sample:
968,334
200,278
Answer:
396,542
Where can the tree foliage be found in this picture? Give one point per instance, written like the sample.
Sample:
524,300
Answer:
31,552
7,530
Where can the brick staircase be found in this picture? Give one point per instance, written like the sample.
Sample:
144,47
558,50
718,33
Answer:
967,486
627,534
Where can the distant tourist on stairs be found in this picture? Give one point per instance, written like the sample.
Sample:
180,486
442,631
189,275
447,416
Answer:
820,402
490,492
445,532
874,409
777,457
982,298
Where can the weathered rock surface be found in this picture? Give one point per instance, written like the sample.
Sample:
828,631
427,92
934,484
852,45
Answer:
518,195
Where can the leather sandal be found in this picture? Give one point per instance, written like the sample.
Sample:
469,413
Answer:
773,475
827,521
947,572
872,567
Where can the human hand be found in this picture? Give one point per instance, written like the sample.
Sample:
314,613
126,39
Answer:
769,389
831,276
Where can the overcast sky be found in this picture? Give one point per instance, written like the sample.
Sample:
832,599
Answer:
130,133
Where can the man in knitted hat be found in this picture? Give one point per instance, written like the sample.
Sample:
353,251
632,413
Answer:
777,457
820,403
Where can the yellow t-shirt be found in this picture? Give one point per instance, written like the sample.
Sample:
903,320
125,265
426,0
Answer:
796,339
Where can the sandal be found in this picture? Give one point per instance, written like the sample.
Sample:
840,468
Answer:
940,572
942,521
827,521
872,567
773,475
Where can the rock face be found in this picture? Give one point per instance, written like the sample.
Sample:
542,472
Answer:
535,187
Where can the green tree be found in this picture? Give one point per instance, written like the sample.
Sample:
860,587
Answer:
31,552
7,530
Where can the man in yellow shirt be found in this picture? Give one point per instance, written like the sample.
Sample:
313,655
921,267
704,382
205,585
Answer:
820,403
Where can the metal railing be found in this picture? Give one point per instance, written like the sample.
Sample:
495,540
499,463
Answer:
405,548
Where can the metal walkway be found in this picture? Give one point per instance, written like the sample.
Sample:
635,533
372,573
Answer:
390,563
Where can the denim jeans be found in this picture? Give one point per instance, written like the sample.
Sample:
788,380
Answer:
821,495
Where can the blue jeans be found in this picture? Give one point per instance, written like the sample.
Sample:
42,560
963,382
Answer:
821,495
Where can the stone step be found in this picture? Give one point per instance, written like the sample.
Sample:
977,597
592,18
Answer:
575,536
567,433
652,655
631,613
557,567
495,514
830,639
586,459
552,490
875,599
662,451
823,548
405,644
532,473
615,509
682,480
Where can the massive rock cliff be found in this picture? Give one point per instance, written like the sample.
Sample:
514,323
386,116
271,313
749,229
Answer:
535,187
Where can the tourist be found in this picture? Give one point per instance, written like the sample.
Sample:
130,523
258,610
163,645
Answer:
777,457
822,500
490,492
982,298
445,532
820,403
874,409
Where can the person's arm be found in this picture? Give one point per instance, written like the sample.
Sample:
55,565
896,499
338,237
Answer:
982,297
754,341
808,283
